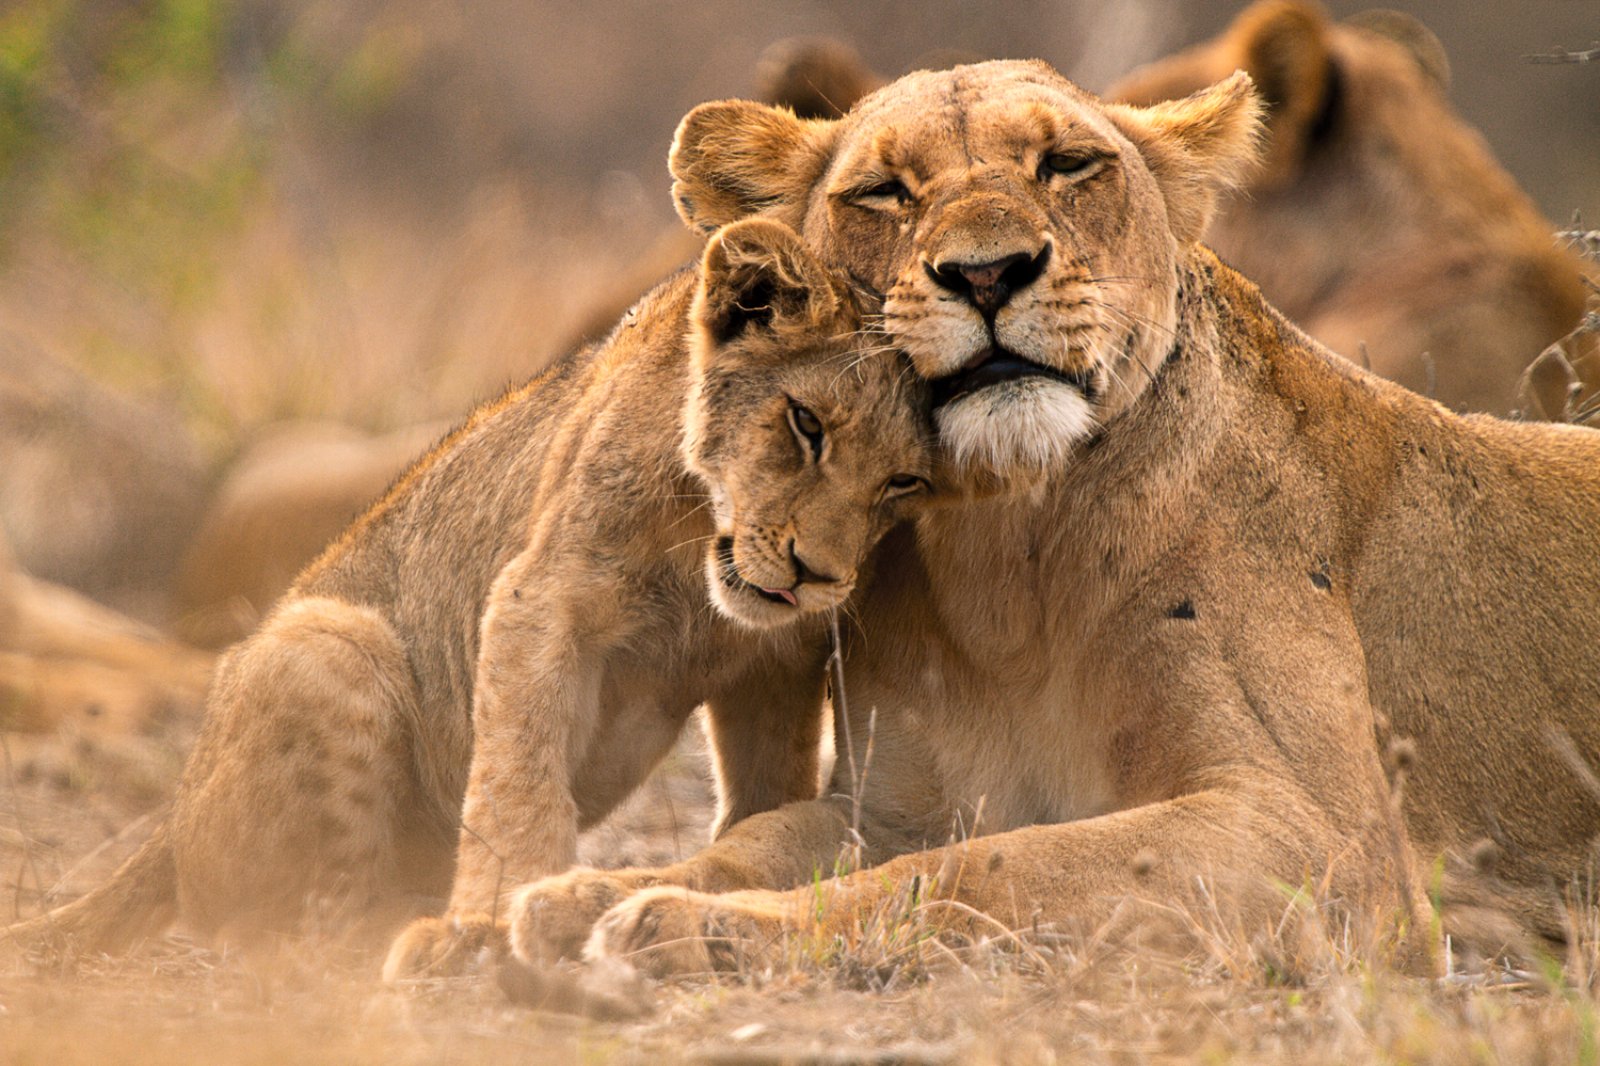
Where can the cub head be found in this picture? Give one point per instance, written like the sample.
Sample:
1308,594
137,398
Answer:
809,431
1025,235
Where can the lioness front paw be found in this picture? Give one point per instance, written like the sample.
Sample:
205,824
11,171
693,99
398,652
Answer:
670,931
551,918
444,947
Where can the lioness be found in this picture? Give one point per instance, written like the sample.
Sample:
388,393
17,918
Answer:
1222,574
1380,222
531,601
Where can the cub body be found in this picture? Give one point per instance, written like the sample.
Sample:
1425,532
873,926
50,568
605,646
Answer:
501,649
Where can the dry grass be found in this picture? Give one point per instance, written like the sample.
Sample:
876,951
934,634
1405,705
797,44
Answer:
1310,990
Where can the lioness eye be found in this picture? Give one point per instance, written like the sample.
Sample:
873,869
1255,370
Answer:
1067,164
884,192
807,429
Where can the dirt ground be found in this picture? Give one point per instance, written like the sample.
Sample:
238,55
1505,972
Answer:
69,811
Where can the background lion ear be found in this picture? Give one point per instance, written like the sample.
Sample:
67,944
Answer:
815,77
736,158
758,274
1410,34
1283,46
1197,147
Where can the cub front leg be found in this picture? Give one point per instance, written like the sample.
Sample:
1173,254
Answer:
535,698
765,734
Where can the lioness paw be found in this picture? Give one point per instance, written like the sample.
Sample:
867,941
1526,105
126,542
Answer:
551,918
669,931
444,947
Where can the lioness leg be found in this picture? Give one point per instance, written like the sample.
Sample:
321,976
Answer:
783,848
1087,875
288,811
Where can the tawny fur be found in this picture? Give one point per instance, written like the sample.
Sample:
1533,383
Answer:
502,648
1172,666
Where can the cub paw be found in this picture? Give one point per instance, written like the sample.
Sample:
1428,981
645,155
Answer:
444,947
670,931
551,918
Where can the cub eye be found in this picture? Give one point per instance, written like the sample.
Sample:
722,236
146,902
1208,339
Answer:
1069,165
903,485
884,194
807,429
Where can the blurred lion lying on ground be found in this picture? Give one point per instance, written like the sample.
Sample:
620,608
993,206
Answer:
280,504
98,491
524,621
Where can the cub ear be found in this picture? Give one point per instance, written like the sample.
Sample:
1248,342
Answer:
1283,46
758,275
735,158
1196,147
815,77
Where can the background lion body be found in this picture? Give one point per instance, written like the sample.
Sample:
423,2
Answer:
1380,222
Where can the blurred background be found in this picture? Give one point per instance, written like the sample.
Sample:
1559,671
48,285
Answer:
381,210
217,216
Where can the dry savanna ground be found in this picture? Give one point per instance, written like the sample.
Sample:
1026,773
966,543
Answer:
1303,991
378,213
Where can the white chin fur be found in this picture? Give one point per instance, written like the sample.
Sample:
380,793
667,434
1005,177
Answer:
1031,424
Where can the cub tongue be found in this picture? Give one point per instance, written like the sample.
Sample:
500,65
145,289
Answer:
782,594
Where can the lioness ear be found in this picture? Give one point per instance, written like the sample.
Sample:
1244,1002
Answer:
735,158
1196,147
757,274
1283,46
815,77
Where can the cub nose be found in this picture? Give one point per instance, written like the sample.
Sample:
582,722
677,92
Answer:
988,286
804,574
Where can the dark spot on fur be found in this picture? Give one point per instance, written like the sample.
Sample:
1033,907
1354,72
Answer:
330,827
1321,580
1184,610
516,594
363,798
94,710
311,781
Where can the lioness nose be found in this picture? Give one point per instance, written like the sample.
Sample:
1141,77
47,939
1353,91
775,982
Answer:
804,573
987,286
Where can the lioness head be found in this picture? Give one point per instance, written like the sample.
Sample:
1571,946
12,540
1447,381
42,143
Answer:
809,431
1024,234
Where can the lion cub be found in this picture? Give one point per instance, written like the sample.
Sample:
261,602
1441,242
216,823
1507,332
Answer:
524,621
